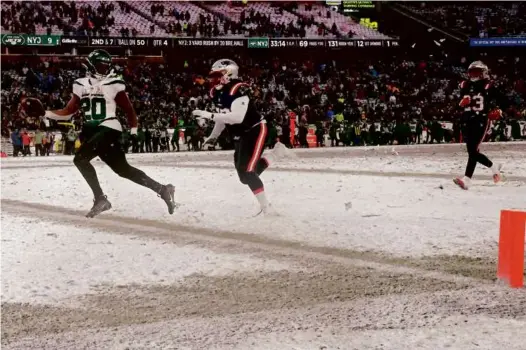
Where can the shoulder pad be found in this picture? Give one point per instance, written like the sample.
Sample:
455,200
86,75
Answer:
113,81
238,88
80,81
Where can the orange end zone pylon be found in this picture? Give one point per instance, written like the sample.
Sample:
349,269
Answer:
511,247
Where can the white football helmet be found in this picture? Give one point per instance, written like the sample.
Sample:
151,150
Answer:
478,70
222,72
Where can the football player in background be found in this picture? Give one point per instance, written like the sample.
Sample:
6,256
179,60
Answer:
243,122
480,101
97,95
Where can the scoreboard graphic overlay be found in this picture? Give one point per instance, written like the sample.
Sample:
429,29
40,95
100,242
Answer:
251,43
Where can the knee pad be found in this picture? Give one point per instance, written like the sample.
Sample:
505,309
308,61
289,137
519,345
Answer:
243,177
249,177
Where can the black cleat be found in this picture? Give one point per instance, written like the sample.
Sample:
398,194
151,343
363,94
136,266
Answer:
167,195
100,205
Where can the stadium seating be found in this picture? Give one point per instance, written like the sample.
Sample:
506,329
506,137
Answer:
264,8
26,14
343,23
57,17
131,19
171,7
476,19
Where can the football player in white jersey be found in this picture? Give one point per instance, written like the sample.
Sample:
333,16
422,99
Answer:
97,96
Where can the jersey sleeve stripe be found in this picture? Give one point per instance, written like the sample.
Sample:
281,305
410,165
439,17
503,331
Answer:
463,84
235,88
77,83
488,85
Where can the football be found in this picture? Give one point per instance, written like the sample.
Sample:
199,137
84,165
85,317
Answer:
32,107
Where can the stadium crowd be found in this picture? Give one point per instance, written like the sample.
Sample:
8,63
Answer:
359,102
377,100
476,19
109,18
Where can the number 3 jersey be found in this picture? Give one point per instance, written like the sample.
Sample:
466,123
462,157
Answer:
484,97
97,100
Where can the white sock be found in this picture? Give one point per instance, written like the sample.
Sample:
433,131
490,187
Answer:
466,180
262,198
495,169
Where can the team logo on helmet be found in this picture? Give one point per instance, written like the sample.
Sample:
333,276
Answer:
99,64
222,72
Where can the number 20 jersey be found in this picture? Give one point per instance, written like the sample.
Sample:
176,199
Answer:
97,100
484,97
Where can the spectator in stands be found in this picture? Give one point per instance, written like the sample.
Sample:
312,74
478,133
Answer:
26,143
48,141
175,137
70,139
16,140
38,142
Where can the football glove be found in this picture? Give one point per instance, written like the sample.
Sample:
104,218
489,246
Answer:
31,107
466,101
211,141
495,114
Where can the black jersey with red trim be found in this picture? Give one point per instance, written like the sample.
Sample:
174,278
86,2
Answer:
484,97
223,99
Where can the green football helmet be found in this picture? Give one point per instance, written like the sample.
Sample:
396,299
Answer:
99,64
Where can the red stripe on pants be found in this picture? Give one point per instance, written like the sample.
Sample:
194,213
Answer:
258,149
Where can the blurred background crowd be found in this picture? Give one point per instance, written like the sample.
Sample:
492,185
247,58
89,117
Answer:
338,97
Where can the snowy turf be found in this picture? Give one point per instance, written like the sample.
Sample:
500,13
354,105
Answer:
45,262
399,215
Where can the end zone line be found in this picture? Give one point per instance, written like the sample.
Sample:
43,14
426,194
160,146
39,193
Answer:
250,242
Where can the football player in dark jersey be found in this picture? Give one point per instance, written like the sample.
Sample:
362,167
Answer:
480,99
244,123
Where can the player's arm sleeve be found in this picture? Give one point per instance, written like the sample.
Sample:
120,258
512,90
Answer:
123,101
65,113
77,89
237,113
463,86
217,130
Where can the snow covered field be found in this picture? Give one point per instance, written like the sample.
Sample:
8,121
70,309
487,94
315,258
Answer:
374,248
